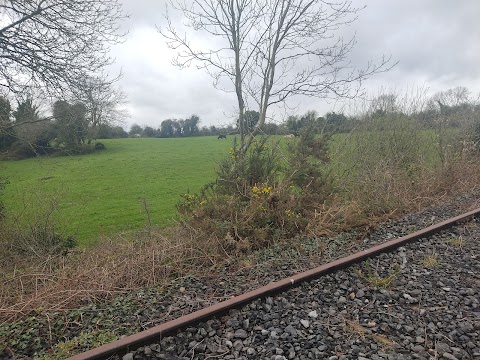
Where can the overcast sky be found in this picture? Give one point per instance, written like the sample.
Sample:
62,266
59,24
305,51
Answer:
436,42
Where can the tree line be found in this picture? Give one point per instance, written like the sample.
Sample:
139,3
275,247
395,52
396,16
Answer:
72,127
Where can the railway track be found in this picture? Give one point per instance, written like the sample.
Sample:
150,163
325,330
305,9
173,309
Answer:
401,299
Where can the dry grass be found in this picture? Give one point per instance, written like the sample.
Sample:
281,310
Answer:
112,267
430,261
383,340
458,242
355,327
376,280
358,329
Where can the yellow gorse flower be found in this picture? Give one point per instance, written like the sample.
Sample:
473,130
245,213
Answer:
233,153
261,190
291,213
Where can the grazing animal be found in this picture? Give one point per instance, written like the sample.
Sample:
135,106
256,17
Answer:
221,136
289,136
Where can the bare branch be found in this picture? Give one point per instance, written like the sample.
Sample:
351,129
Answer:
50,44
272,50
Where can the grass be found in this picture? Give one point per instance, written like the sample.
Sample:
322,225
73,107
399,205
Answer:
107,192
63,350
459,242
374,279
430,262
135,181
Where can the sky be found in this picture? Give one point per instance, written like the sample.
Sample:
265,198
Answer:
435,42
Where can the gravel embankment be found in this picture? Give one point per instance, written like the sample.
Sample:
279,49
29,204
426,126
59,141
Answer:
430,310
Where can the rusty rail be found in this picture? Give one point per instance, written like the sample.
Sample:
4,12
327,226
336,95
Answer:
132,342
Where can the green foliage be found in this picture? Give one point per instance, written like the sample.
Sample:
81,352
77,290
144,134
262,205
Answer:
135,129
26,111
256,198
100,146
37,240
179,128
306,161
106,131
250,120
22,150
3,183
376,280
295,123
89,340
237,174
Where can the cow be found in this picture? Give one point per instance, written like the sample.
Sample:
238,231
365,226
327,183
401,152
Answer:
222,136
289,136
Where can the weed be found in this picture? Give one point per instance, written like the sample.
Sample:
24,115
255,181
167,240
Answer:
66,349
383,340
430,261
374,279
459,242
356,327
363,332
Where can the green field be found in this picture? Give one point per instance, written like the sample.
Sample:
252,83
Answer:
106,192
108,189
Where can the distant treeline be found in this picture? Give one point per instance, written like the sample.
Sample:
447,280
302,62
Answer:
190,127
75,126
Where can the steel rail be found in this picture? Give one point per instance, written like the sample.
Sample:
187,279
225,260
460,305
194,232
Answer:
132,342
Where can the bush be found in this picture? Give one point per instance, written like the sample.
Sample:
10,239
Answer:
36,242
237,174
259,198
100,146
22,150
80,149
31,235
476,135
307,158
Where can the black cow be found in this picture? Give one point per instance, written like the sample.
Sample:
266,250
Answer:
222,136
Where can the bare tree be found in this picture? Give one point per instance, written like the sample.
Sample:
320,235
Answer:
50,44
271,50
104,103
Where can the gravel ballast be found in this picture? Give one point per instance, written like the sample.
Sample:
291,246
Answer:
419,302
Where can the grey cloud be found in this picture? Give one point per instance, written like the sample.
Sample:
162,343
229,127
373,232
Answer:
431,39
437,44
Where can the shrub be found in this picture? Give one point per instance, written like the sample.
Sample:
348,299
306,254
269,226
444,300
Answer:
261,164
100,146
32,236
385,164
79,149
260,198
35,242
307,158
22,150
476,135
